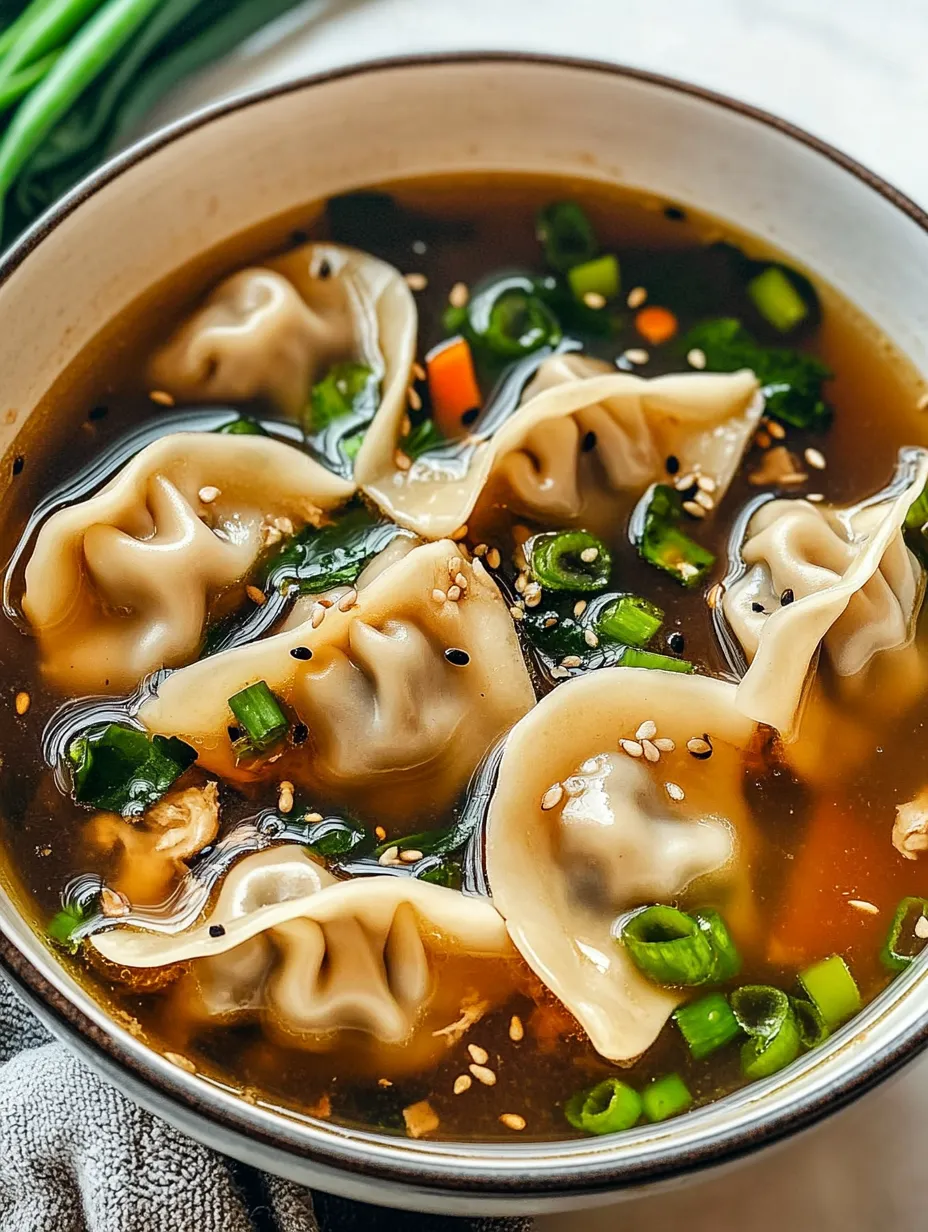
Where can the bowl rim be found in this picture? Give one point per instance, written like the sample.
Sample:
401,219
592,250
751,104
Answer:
510,1170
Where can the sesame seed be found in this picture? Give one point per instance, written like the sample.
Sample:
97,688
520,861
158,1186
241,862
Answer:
815,458
416,282
593,299
517,1031
410,856
484,1075
389,856
815,497
861,904
705,500
776,430
762,439
677,642
588,555
378,830
550,622
521,582
699,747
413,398
183,1063
162,397
651,751
696,358
326,602
552,796
590,638
462,1083
481,549
208,494
348,600
580,607
705,483
787,597
672,464
516,612
559,673
402,461
457,657
665,744
217,930
312,818
460,533
682,482
478,1054
461,580
454,593
454,564
647,730
113,904
459,295
318,615
22,703
636,297
418,371
694,510
532,594
674,790
714,595
637,355
493,558
285,797
439,595
571,661
512,1120
256,595
921,927
631,747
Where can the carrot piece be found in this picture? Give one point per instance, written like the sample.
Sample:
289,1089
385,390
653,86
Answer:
453,385
656,324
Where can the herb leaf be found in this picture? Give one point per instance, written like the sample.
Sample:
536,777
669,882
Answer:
65,923
318,559
123,770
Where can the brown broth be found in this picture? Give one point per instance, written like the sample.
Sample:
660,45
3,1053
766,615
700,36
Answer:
818,850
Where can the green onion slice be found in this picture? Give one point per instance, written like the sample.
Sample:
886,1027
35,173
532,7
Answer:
662,544
509,319
260,715
607,1108
629,619
633,657
347,388
241,427
727,960
566,235
707,1025
830,987
766,1015
568,560
597,277
668,946
762,1057
903,943
777,299
813,1029
665,1097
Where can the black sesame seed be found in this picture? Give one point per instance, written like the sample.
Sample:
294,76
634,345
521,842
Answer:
18,464
300,732
216,930
460,658
674,213
325,270
299,237
301,652
234,732
787,597
98,412
757,607
672,465
589,442
677,643
470,416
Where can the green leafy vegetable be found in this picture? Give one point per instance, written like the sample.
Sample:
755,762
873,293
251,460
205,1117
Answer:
662,544
607,1108
507,318
568,560
707,1025
123,770
813,1029
565,234
423,438
903,943
334,836
791,380
65,923
259,713
347,389
317,559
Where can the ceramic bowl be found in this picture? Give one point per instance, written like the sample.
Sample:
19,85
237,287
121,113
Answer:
223,171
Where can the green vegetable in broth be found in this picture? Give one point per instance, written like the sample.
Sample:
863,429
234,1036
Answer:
123,770
813,1029
508,319
766,1015
565,234
65,923
727,960
830,987
630,619
777,299
607,1108
333,837
568,560
668,946
597,277
904,941
707,1025
348,388
425,437
243,426
260,715
666,1097
318,558
662,543
633,657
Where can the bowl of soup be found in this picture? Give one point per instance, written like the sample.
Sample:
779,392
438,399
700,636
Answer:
465,524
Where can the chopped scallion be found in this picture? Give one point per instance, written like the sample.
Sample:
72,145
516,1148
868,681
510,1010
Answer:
566,235
509,319
597,277
813,1028
607,1108
664,545
766,1015
665,1097
347,387
903,942
242,427
633,657
630,619
423,438
727,959
707,1024
668,946
830,986
568,560
259,713
777,299
917,516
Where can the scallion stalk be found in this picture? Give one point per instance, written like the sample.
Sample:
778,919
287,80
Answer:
668,946
566,235
707,1025
258,712
813,1029
662,544
597,277
727,960
665,1097
633,657
777,299
568,560
347,388
630,619
830,986
766,1015
607,1108
903,943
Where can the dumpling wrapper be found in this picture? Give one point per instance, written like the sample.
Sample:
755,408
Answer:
394,727
311,955
273,331
616,839
857,590
121,584
704,419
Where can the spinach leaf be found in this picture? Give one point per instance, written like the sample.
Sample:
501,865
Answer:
123,770
317,559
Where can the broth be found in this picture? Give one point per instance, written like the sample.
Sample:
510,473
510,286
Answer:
825,874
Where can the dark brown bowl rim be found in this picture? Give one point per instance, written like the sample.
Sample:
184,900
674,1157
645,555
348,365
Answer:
604,1177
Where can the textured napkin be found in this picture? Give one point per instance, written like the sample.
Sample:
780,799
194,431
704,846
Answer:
77,1156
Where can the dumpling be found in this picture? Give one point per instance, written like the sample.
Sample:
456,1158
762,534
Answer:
123,583
582,433
395,725
273,331
579,832
820,576
311,957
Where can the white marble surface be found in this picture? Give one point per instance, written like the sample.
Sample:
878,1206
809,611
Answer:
854,73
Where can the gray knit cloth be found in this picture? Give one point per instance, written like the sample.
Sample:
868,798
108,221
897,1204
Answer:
76,1156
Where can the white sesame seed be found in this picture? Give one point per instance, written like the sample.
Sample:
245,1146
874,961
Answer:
696,358
674,790
162,397
651,751
484,1075
590,638
402,461
714,595
694,510
665,744
516,612
462,1083
454,593
521,582
815,497
256,595
413,398
570,661
318,615
478,1054
532,594
861,904
575,785
580,607
348,600
454,564
416,282
459,295
647,730
559,673
921,927
460,533
22,703
493,558
682,482
208,494
326,602
704,500
588,555
411,855
460,580
636,297
285,797
776,430
590,766
705,483
815,458
389,856
181,1062
418,371
439,595
512,1120
552,796
480,549
637,355
593,299
698,747
313,817
517,1031
631,747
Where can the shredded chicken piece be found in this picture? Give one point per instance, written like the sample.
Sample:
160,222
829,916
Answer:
188,821
910,831
472,1010
778,467
420,1119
